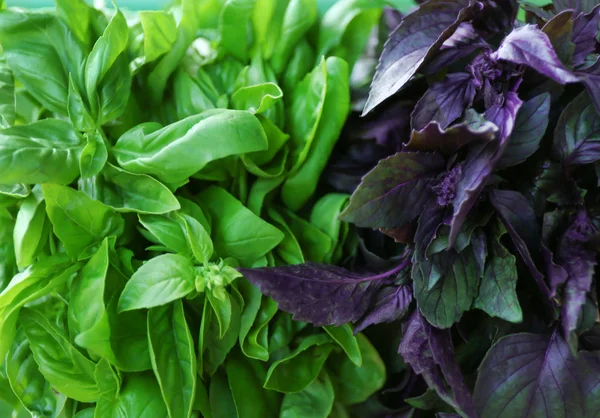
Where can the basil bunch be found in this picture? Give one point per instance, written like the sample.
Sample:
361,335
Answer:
144,158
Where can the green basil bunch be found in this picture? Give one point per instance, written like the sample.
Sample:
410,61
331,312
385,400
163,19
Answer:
144,157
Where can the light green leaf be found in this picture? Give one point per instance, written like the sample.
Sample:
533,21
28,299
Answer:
179,150
299,369
79,221
233,27
344,336
237,232
222,309
300,16
221,400
69,371
128,192
251,400
104,54
29,232
17,191
140,398
160,33
7,95
315,244
198,239
159,281
302,183
315,401
256,99
354,384
267,20
173,357
288,249
165,230
77,109
28,384
88,319
325,215
32,41
94,155
76,15
44,151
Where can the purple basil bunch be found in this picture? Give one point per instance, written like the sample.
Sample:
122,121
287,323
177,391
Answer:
487,131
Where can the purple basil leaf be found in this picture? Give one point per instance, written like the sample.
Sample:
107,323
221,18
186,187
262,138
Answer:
495,16
412,43
391,303
434,137
590,77
531,47
560,31
445,285
556,186
444,102
387,127
525,375
579,263
584,6
589,373
530,127
464,41
519,219
481,162
429,222
316,293
555,273
585,32
430,353
504,114
394,192
577,133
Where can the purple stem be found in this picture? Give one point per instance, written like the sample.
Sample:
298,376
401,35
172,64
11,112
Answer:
389,273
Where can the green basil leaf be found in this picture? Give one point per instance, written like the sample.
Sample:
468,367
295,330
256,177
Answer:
300,64
77,15
252,297
346,27
94,155
77,109
29,232
250,398
288,249
165,230
315,244
325,216
300,16
256,344
193,95
315,401
234,24
79,222
159,281
8,111
260,190
256,99
140,398
237,232
104,54
173,358
160,33
114,91
198,239
191,16
88,319
8,262
344,336
222,308
221,400
42,152
354,384
17,191
28,384
214,348
32,41
302,183
179,150
128,192
201,401
69,371
300,368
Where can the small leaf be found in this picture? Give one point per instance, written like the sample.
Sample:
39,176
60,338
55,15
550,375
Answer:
159,281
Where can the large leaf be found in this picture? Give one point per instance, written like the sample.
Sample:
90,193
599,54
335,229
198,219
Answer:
411,44
394,192
44,151
173,357
179,150
529,375
320,294
430,353
577,133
